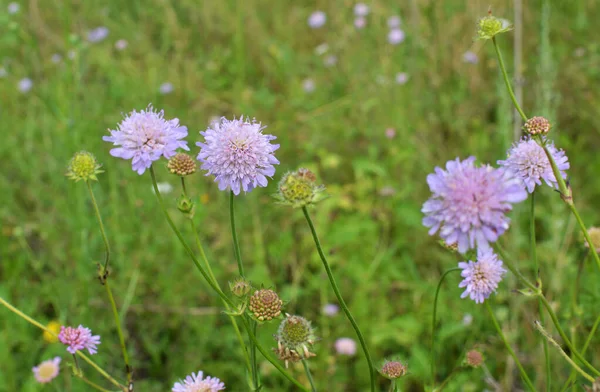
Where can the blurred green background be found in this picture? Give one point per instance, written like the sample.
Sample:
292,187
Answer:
334,115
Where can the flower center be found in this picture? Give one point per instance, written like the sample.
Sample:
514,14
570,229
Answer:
46,370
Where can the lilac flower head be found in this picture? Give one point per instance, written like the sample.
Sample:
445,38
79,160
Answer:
78,339
468,205
482,277
13,8
345,346
238,154
528,161
25,85
331,310
121,44
98,34
470,57
396,36
394,21
145,136
47,370
360,22
401,78
166,88
308,85
317,19
197,383
361,9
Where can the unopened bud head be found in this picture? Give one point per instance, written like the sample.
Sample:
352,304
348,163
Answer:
240,287
393,369
490,26
299,189
265,305
474,358
537,126
83,166
182,165
294,337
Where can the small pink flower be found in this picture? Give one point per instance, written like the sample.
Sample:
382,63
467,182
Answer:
390,133
360,22
47,370
330,309
78,339
345,346
317,19
396,36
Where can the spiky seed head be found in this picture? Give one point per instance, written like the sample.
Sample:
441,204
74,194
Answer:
537,125
299,189
265,305
474,358
594,233
393,369
83,166
182,165
294,337
490,26
240,287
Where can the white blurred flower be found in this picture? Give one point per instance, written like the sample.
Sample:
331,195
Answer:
361,9
322,49
317,19
56,58
166,88
390,133
98,34
345,346
387,191
330,309
467,319
308,85
25,85
360,22
330,60
71,54
163,187
3,72
470,57
394,22
396,36
401,78
121,44
13,8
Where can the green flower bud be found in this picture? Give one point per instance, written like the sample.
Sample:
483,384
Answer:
185,205
490,26
299,189
240,287
294,336
393,370
83,166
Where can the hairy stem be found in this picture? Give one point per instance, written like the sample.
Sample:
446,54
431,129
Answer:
309,375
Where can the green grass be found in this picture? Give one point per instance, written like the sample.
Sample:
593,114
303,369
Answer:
250,57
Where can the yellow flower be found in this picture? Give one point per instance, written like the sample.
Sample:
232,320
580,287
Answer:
53,326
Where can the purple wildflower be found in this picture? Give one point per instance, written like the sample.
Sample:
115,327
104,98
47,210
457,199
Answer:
469,204
145,136
238,154
121,44
528,161
394,21
470,57
396,36
401,78
482,277
166,88
98,34
345,346
360,22
25,85
47,370
196,383
361,9
331,309
308,85
78,339
317,19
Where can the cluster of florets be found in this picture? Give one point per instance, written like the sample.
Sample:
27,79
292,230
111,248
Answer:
490,26
294,337
474,358
182,164
537,126
265,305
83,166
299,189
393,369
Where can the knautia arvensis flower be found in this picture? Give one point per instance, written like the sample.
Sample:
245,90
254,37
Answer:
198,383
265,305
474,358
294,337
393,369
145,137
299,189
528,162
78,339
481,278
490,26
468,205
240,287
182,165
537,126
238,154
47,370
83,166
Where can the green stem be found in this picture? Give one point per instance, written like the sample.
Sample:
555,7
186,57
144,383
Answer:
507,81
104,279
452,374
340,298
309,375
93,385
585,233
509,348
571,378
79,353
533,251
564,337
437,292
508,262
253,360
236,245
187,248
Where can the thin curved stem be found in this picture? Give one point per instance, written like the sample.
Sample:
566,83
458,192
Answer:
437,292
338,294
509,348
585,234
79,353
93,385
99,218
236,244
507,81
113,305
583,350
309,375
508,262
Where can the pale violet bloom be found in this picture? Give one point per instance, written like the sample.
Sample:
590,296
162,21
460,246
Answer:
56,58
394,22
360,22
330,60
308,85
317,19
121,44
401,78
467,319
166,88
13,8
98,34
481,278
470,57
345,346
390,133
71,54
330,310
396,36
238,154
361,9
198,383
25,85
163,187
47,370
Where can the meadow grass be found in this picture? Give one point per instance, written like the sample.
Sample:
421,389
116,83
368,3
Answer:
250,57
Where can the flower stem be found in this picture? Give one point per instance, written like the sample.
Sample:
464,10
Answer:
236,245
79,353
509,348
507,81
187,248
340,298
437,292
450,376
309,375
583,350
585,233
93,385
104,280
565,338
533,251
